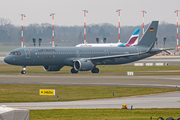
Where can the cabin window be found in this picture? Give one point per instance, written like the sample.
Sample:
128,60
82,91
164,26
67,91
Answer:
15,53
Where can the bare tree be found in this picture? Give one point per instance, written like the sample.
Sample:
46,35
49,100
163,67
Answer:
4,21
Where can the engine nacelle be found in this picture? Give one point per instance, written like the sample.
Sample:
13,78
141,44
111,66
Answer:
52,68
83,65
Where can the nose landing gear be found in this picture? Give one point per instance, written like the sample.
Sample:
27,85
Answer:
24,70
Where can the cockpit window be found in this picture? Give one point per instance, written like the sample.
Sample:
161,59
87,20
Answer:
15,53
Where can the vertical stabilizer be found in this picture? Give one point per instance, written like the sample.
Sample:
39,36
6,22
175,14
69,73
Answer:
150,35
133,40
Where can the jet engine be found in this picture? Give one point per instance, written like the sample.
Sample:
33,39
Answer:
52,68
83,65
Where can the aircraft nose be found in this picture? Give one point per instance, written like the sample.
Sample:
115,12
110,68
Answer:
6,59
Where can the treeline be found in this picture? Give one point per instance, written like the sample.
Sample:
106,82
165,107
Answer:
72,35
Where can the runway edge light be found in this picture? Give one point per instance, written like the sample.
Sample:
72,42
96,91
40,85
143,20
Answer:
57,97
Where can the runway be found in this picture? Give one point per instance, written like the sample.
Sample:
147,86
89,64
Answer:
167,100
69,79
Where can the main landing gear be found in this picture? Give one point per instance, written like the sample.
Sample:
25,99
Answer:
74,71
24,70
95,70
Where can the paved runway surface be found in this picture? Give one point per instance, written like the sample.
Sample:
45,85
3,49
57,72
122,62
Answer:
146,81
167,100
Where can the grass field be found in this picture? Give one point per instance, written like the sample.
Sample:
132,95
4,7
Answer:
30,93
104,70
103,114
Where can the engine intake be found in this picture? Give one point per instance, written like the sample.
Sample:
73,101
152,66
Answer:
83,65
52,68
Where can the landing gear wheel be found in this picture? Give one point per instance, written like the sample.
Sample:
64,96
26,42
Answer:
95,70
74,71
23,72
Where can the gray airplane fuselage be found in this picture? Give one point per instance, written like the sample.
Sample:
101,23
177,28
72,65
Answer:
64,56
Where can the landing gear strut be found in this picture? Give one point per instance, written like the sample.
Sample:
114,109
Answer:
95,70
24,70
74,71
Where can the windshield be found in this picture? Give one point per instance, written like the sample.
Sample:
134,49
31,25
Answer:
15,53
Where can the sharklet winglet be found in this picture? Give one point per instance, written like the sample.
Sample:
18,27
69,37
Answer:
150,47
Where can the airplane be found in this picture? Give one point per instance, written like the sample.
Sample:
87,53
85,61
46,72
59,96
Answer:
84,58
133,40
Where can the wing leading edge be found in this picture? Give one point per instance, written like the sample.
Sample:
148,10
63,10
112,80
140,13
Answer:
110,57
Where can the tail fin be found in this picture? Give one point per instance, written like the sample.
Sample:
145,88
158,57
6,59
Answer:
150,35
133,40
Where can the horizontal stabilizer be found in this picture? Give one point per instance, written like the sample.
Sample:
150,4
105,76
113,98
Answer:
164,49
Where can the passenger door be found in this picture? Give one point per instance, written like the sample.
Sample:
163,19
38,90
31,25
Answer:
27,52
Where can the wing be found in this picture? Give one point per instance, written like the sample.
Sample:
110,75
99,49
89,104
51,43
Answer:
117,56
110,57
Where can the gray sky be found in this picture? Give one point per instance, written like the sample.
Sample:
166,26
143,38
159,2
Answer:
69,12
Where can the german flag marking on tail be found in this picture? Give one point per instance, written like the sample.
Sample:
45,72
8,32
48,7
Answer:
151,29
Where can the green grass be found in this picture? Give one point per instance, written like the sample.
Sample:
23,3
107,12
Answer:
103,114
104,70
30,93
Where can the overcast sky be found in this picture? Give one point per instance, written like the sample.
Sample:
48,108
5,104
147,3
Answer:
69,12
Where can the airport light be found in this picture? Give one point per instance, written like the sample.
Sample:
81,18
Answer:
22,15
156,43
119,10
164,41
52,14
177,28
97,40
34,41
85,11
143,19
104,40
40,40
